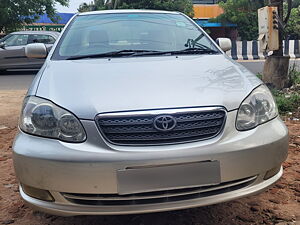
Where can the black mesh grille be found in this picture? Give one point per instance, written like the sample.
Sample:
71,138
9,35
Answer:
158,196
138,129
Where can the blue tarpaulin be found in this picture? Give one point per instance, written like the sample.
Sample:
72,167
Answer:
63,18
206,23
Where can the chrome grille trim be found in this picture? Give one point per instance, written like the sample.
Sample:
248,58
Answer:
136,127
158,196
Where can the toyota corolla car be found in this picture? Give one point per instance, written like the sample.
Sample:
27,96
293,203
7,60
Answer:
138,111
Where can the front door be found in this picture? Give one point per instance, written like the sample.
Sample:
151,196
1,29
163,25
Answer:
12,55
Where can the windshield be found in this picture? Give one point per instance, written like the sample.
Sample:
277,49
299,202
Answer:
4,38
149,32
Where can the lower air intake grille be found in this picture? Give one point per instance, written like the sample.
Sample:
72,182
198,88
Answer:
158,196
161,126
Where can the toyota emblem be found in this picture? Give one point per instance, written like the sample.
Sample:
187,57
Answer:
165,123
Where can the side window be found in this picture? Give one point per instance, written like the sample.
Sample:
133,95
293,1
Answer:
17,40
39,38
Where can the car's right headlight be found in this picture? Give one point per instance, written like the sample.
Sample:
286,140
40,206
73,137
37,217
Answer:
258,108
43,118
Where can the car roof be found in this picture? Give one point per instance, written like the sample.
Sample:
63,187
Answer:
126,11
37,32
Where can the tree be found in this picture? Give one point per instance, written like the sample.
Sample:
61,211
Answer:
14,13
277,65
243,13
295,3
293,25
185,6
93,6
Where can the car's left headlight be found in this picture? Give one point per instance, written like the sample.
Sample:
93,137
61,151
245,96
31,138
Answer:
258,108
43,118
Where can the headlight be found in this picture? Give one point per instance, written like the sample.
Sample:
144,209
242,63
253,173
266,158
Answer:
259,107
43,118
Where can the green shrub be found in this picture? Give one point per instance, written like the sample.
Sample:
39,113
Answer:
294,75
259,75
286,102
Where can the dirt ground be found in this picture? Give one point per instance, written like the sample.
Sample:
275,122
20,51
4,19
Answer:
278,205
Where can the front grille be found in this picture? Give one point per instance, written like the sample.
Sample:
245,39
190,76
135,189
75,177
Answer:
158,196
138,128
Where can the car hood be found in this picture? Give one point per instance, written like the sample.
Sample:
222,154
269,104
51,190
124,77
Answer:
91,86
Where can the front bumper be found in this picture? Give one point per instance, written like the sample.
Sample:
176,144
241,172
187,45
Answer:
67,209
90,167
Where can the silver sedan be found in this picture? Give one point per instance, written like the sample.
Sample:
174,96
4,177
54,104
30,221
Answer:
138,111
12,49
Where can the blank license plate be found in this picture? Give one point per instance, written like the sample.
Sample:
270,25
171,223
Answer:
156,178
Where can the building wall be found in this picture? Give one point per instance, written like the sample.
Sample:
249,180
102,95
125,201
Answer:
207,11
44,27
44,23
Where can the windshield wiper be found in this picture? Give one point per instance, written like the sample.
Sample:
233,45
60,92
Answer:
195,51
111,54
179,52
145,52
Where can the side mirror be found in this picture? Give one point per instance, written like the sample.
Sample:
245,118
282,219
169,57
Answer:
36,50
224,43
2,45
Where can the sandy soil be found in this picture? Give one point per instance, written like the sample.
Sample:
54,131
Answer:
278,205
